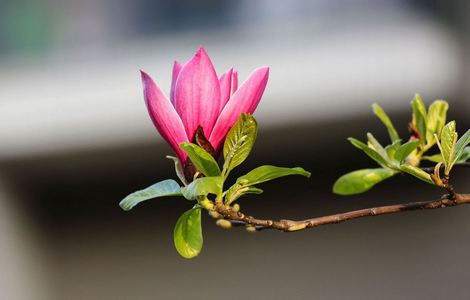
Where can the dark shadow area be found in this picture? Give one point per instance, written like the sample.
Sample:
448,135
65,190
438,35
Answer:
98,251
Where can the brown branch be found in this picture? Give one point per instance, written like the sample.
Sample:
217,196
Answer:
239,219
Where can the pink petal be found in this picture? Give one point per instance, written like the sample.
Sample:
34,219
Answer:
164,116
234,81
225,88
197,94
245,100
176,70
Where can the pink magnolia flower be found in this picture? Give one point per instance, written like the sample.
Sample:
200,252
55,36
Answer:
199,98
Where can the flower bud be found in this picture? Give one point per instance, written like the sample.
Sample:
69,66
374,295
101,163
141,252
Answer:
250,229
225,224
236,207
214,214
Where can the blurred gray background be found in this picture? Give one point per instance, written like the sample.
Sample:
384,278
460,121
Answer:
75,138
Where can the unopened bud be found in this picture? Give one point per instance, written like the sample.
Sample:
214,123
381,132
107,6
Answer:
236,207
251,229
225,224
214,214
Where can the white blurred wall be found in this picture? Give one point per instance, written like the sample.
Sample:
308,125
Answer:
23,275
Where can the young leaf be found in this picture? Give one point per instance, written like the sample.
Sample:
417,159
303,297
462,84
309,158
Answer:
447,145
464,156
201,159
360,181
163,188
203,187
437,158
178,169
239,142
267,173
380,113
374,144
417,172
437,114
392,149
460,145
238,190
419,117
402,153
187,234
370,152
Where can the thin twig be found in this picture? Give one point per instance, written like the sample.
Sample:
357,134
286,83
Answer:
239,219
431,169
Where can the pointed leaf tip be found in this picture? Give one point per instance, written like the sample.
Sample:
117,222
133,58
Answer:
268,173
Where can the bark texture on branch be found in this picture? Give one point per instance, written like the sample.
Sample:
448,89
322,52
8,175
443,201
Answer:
237,218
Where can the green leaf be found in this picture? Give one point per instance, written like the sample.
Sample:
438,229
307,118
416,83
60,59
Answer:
460,145
380,113
239,142
203,187
417,172
360,181
447,145
437,158
201,159
187,234
267,173
370,152
238,190
464,156
392,149
374,144
163,188
178,169
419,117
402,153
437,114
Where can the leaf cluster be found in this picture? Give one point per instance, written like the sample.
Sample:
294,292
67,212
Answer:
427,128
209,188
